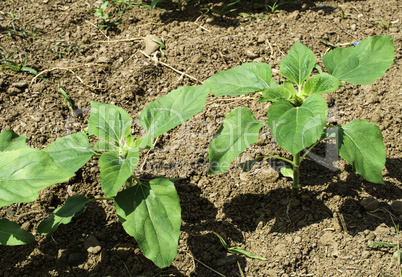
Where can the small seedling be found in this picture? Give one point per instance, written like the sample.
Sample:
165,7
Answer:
237,250
62,49
298,113
274,8
11,65
384,23
397,246
224,10
66,98
250,17
342,13
161,45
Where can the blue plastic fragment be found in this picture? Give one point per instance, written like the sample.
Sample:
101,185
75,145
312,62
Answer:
356,43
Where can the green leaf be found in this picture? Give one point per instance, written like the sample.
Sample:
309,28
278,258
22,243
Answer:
151,213
238,131
360,144
145,142
298,64
63,214
284,91
105,146
11,141
24,172
362,64
381,244
287,171
320,84
237,250
296,128
108,122
70,152
115,170
173,109
12,234
243,79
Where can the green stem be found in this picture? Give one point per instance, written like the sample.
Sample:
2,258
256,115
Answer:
277,157
296,185
308,150
136,179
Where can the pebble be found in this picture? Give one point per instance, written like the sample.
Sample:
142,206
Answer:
365,254
150,45
396,206
20,85
353,27
13,90
251,54
92,245
370,203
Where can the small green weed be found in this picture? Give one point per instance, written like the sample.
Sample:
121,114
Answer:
274,8
8,64
237,250
66,98
342,13
161,44
223,10
65,49
384,23
111,13
397,246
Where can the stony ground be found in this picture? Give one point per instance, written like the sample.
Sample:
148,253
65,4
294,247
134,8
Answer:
323,233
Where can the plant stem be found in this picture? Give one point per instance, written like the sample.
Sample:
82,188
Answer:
277,157
296,186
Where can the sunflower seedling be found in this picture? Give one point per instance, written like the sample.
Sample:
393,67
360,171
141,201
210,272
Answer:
149,210
298,113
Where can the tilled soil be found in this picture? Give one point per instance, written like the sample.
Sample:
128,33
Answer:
322,233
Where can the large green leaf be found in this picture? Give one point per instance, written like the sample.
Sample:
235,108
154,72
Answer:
320,84
24,172
243,79
12,234
362,64
115,170
297,65
173,109
151,213
360,143
238,131
11,141
63,214
108,122
296,128
70,152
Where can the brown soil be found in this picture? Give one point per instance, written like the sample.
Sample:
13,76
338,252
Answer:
321,234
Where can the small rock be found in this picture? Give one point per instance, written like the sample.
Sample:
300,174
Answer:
92,245
396,206
20,85
13,91
370,203
89,59
251,54
353,27
103,59
369,32
150,45
38,87
76,259
365,254
261,38
297,239
244,176
370,236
